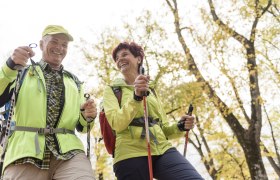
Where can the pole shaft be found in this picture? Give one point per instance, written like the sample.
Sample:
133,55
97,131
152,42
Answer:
148,138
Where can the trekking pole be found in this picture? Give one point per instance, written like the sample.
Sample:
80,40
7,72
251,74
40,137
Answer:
147,129
4,141
89,120
187,132
7,130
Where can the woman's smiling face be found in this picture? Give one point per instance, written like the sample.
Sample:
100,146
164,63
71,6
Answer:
126,62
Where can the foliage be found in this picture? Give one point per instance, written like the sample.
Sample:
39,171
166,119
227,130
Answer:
211,72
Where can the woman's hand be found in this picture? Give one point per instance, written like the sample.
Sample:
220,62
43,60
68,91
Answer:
186,123
141,84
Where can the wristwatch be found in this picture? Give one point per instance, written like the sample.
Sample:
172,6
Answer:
137,98
11,64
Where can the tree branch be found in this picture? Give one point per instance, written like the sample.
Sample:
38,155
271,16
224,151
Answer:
273,136
256,116
235,90
224,109
236,161
227,29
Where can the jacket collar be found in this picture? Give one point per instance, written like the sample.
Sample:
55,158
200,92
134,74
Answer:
46,67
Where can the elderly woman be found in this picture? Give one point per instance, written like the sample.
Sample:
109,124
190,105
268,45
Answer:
127,119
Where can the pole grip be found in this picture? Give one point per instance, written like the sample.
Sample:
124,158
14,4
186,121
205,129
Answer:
190,110
142,71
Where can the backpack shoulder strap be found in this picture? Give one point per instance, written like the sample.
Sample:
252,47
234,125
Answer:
154,92
21,78
7,101
118,93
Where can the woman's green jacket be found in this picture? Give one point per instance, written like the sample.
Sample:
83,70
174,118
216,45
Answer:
129,143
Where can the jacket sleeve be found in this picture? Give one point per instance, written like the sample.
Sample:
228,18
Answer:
7,79
169,128
119,118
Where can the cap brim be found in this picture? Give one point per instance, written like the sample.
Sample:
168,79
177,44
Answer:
68,35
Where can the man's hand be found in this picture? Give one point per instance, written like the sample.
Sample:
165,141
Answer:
21,55
89,110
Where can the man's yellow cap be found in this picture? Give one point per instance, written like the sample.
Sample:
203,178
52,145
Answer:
56,29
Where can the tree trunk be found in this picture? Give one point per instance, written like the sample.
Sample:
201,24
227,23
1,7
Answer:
249,139
253,156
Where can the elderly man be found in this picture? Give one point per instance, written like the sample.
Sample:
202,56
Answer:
48,108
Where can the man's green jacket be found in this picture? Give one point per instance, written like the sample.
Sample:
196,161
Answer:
30,111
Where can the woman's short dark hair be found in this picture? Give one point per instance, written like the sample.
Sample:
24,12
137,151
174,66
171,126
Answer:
134,48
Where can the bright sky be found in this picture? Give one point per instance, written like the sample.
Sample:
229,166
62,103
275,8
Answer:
22,22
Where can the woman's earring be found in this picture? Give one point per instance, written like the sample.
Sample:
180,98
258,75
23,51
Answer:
139,60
